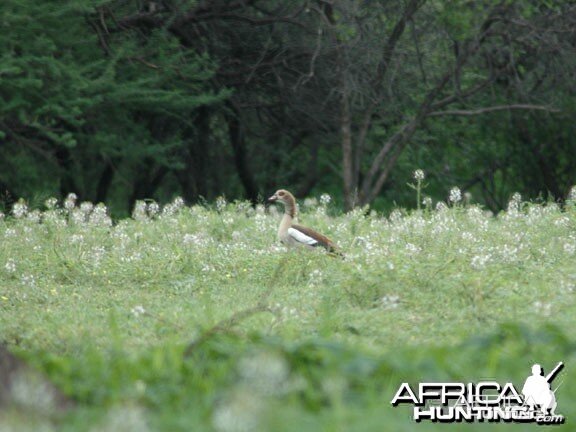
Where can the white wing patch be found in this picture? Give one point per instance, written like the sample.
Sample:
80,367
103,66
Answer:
300,237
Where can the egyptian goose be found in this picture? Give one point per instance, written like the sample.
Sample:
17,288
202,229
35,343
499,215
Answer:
292,234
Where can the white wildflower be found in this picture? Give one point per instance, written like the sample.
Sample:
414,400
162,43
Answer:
10,266
178,203
77,216
34,216
189,239
508,253
153,209
55,218
86,207
412,249
76,238
543,308
97,253
390,301
325,199
572,194
315,277
514,204
207,268
441,206
285,311
427,201
136,256
395,216
172,208
51,203
455,195
570,248
220,203
261,209
551,208
138,310
310,202
419,175
273,210
70,201
139,212
28,280
99,216
20,209
479,261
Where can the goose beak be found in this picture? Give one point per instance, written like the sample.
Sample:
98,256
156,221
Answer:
273,198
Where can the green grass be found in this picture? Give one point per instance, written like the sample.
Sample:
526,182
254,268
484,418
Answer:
195,318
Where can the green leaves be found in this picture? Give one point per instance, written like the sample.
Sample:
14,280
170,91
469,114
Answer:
99,95
312,381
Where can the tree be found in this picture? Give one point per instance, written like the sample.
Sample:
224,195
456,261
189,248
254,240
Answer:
131,99
370,74
417,76
80,108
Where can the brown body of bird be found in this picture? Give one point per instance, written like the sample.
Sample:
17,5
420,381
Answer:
292,234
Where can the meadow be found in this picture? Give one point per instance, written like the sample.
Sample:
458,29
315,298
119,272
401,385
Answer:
195,318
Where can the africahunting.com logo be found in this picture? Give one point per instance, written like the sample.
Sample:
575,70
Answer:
450,402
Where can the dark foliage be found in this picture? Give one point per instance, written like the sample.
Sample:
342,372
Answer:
120,100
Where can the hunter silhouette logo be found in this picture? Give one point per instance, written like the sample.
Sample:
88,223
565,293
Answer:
537,391
450,402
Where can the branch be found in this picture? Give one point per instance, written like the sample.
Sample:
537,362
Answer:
256,21
304,79
395,36
233,320
464,94
203,14
491,109
382,70
145,63
370,188
101,39
225,325
378,172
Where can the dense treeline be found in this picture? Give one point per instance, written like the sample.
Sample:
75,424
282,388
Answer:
119,100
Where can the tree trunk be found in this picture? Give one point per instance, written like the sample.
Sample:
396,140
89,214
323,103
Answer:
238,143
347,152
104,183
147,183
193,176
199,152
7,197
67,182
312,174
186,177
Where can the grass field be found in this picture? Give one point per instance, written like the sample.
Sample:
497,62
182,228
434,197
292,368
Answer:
195,318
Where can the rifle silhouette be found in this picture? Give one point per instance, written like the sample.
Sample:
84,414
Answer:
550,377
